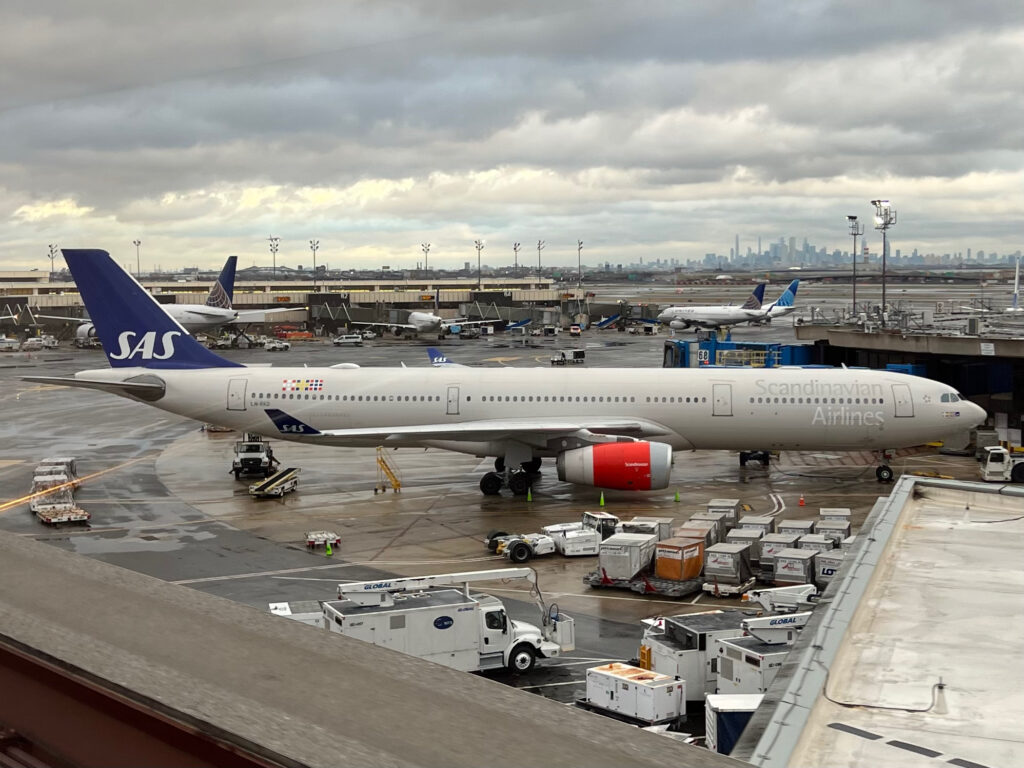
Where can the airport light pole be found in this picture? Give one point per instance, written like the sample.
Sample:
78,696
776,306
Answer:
274,241
885,217
479,275
856,229
314,246
53,255
515,263
579,263
540,247
426,253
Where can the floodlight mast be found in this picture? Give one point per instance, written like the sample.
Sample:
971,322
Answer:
515,264
274,244
479,275
540,247
426,253
885,217
856,229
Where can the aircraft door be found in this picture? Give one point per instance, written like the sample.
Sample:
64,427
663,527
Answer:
453,401
236,394
721,397
903,402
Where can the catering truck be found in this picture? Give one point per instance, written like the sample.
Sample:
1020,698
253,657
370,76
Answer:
438,619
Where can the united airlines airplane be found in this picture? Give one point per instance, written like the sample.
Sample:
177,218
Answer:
617,430
716,315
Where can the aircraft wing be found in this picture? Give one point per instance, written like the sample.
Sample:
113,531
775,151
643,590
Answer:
61,317
405,326
461,323
531,431
145,390
258,315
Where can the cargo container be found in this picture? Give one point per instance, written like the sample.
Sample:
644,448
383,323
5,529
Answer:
684,647
799,527
826,567
721,519
624,555
837,530
661,527
758,522
819,542
794,566
637,694
842,514
749,536
848,543
730,507
747,664
679,559
698,529
727,569
771,545
725,716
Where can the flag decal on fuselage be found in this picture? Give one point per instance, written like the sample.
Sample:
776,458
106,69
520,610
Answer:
302,385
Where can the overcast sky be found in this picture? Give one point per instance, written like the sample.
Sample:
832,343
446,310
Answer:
646,129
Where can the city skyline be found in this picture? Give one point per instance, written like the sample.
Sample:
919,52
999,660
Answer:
658,130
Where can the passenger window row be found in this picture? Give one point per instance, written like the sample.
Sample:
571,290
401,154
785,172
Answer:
819,400
346,398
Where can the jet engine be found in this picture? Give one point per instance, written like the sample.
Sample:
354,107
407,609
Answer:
678,325
395,330
632,466
85,331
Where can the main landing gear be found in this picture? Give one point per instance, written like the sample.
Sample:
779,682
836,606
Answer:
763,456
519,481
883,471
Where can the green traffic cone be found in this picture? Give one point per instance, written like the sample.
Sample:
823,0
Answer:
529,494
328,552
602,498
677,494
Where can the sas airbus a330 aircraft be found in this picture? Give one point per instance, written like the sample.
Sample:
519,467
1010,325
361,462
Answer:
619,429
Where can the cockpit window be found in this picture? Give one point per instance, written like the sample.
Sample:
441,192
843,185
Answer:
950,397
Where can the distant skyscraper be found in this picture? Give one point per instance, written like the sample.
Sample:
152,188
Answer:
737,251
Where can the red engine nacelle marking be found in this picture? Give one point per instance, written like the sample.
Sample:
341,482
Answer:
626,466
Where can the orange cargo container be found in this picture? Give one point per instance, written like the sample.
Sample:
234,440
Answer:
679,559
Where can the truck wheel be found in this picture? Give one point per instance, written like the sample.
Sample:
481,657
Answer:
519,553
492,540
1017,473
522,658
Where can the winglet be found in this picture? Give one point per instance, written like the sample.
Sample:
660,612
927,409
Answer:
289,424
135,331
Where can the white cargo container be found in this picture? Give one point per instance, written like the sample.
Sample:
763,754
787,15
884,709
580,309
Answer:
750,536
730,507
727,569
684,647
848,543
758,522
771,545
725,717
698,529
657,526
826,567
837,530
819,542
841,514
794,566
747,664
306,611
635,693
721,519
624,555
799,527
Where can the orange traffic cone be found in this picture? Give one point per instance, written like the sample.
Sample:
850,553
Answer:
801,500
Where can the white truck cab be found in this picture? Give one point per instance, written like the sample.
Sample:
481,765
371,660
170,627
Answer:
1000,466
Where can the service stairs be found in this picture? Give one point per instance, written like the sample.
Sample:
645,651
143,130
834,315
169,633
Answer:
387,473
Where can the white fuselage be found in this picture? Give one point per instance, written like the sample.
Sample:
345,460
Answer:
709,316
425,322
710,408
198,317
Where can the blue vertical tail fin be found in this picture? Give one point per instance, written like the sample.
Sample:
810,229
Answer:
223,291
788,297
755,299
135,331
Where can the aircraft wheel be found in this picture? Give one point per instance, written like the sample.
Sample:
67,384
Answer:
743,458
1017,474
499,464
519,483
490,484
884,473
766,459
533,465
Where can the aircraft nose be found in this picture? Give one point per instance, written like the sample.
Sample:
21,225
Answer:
975,414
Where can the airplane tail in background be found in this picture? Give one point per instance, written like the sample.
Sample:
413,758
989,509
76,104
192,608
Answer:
223,291
788,297
755,299
133,328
